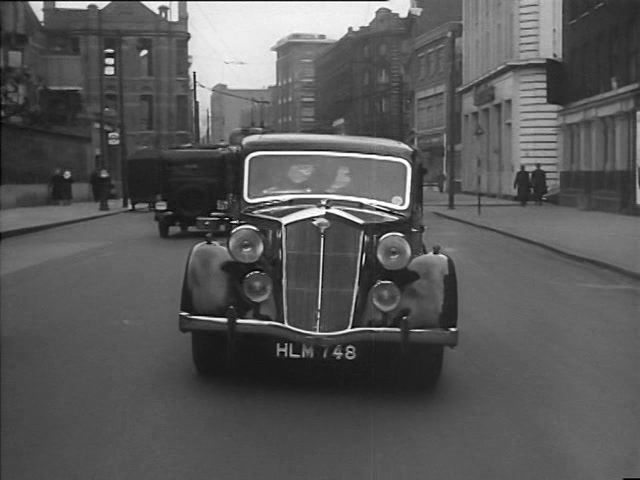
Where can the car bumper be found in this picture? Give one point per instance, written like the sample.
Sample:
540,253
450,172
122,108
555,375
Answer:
214,224
436,336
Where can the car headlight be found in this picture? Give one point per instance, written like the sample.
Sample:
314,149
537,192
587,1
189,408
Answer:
245,244
385,295
257,286
394,252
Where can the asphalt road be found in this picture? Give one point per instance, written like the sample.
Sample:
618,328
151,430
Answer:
97,382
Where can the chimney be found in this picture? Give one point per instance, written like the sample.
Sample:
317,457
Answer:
164,12
47,10
182,12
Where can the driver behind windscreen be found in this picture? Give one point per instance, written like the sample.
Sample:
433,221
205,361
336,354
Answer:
297,179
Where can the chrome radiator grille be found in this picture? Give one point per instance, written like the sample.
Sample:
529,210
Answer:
321,272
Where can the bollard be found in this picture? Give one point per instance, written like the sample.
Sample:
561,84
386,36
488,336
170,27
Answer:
104,183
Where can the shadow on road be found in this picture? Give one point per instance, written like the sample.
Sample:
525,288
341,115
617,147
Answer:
279,377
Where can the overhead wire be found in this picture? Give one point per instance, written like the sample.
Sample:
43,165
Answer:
222,92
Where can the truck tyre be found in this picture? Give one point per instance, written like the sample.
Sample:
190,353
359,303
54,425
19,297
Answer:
163,228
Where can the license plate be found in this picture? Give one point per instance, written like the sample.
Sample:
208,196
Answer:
315,352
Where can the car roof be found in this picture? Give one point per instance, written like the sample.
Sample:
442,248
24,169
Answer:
328,142
184,151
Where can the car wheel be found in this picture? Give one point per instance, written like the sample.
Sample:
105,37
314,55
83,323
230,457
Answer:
423,367
163,228
209,352
184,227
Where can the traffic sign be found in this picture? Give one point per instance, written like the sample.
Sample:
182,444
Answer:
113,138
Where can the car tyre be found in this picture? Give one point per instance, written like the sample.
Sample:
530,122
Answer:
423,367
184,227
209,352
163,229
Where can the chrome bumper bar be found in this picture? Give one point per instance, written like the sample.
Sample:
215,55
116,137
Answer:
435,336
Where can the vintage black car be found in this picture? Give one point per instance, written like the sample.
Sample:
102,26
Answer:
192,185
326,262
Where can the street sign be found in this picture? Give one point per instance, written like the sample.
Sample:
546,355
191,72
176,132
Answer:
113,138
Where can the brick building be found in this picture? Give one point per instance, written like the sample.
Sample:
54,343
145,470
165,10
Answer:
599,89
130,63
361,79
294,106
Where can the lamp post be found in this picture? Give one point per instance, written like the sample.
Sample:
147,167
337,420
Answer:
477,134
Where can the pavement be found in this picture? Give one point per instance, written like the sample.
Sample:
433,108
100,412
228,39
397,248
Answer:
23,220
608,240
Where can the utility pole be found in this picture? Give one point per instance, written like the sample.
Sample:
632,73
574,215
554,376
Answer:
451,93
123,130
208,128
196,112
103,146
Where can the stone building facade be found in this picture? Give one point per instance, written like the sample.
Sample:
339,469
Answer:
507,119
599,89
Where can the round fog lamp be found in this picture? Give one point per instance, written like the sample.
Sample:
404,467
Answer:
257,286
245,244
385,295
394,252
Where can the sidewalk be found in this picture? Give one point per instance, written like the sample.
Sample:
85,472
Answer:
19,221
606,239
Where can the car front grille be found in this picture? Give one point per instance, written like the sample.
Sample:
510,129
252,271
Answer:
321,273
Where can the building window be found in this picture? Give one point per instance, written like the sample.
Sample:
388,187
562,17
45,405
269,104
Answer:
365,79
182,58
111,103
429,63
74,45
383,75
437,61
382,49
422,66
110,46
146,112
365,51
384,105
145,49
182,112
15,58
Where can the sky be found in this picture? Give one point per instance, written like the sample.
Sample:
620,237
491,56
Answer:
242,33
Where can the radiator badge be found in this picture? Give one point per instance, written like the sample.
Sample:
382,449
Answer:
321,224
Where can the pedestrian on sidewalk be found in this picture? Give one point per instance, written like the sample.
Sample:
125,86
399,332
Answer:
538,184
66,192
55,186
95,184
522,184
441,180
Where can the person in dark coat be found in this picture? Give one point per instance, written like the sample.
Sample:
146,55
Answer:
522,184
95,185
538,184
55,186
66,193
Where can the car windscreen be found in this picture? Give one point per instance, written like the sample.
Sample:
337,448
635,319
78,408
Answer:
360,177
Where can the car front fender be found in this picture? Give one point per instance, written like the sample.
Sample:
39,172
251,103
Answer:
206,288
429,301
